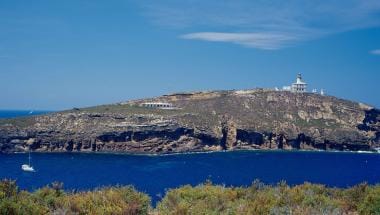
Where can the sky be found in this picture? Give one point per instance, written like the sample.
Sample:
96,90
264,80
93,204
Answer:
57,55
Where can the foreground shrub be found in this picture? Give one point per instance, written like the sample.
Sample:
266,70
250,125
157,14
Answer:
202,199
263,199
371,202
14,202
117,200
53,200
8,189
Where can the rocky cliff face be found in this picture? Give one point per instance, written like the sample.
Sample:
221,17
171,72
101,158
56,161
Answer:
204,121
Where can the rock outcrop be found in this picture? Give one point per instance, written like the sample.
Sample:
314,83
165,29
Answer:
204,121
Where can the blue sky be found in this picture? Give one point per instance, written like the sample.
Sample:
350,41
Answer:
61,54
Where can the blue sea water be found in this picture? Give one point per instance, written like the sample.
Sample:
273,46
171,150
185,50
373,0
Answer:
155,174
16,113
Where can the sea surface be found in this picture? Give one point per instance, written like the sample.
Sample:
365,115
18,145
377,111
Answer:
155,174
16,113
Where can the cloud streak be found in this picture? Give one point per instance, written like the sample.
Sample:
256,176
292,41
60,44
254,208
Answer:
262,24
262,40
375,52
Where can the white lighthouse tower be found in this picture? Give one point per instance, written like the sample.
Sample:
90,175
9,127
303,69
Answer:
300,86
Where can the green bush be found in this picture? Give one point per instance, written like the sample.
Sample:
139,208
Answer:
8,189
263,199
371,203
111,200
202,199
353,196
53,200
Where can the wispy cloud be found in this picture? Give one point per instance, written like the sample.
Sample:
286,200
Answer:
375,52
262,40
262,24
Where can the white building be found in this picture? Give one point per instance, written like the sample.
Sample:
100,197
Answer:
299,86
158,105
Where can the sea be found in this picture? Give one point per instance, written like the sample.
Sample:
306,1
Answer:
19,113
155,174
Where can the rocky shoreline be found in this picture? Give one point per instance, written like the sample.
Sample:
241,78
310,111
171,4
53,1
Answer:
201,122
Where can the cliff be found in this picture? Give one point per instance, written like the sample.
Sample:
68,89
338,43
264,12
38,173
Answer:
202,121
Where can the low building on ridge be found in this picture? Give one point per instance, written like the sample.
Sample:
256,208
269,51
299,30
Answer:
158,105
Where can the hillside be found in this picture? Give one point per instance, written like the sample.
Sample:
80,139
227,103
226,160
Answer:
201,121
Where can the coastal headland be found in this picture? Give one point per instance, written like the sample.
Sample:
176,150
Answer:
201,122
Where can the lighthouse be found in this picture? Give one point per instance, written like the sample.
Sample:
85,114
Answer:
299,86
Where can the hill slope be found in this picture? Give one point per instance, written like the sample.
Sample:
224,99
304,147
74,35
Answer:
204,121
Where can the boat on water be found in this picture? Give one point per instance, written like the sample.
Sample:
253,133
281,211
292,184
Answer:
27,167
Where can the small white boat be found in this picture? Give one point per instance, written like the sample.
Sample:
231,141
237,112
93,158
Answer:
27,167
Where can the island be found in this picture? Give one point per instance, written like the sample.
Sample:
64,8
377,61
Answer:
201,122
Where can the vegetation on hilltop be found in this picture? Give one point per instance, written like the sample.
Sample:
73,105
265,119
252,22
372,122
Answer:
202,199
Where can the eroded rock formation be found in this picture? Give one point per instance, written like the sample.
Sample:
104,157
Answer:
204,121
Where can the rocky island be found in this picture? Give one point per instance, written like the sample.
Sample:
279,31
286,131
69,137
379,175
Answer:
200,122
